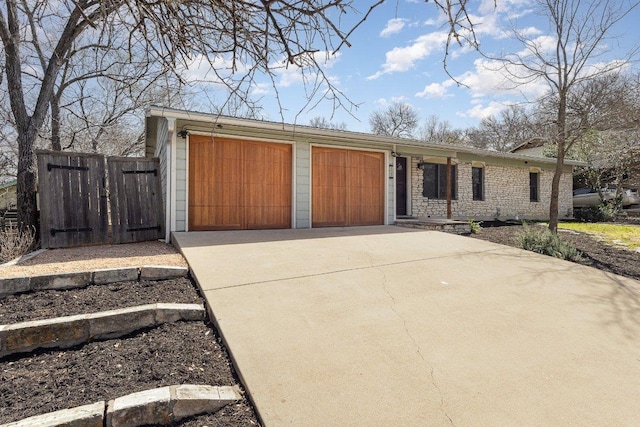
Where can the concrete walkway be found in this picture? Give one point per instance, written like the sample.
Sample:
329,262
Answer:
383,326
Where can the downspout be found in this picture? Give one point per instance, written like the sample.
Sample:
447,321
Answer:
174,173
171,168
448,183
394,198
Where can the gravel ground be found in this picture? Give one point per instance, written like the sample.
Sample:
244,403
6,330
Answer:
70,260
178,353
595,253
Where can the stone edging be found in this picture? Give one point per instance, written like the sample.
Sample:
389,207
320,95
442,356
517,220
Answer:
81,279
63,332
158,406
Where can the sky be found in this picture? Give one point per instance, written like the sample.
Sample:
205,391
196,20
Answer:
397,55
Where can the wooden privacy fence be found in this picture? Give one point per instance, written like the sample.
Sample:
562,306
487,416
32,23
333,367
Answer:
77,199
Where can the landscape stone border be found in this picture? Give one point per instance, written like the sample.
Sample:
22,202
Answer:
68,331
15,285
447,226
159,406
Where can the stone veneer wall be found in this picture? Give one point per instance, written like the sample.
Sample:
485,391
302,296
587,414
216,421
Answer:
506,195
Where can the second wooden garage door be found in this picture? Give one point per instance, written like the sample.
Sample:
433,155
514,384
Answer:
347,187
236,184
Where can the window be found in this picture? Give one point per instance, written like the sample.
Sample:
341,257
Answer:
434,183
477,183
534,194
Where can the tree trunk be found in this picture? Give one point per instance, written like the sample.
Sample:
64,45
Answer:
555,193
561,139
26,185
55,125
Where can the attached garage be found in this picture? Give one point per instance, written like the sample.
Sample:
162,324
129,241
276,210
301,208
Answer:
225,173
347,187
237,184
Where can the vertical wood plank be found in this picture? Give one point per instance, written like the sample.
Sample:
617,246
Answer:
347,186
136,199
44,183
70,190
74,205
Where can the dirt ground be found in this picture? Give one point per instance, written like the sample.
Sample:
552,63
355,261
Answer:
595,253
179,353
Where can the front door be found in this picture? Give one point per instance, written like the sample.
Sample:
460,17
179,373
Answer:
401,186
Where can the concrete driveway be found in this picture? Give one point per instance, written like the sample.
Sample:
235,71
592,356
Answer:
383,326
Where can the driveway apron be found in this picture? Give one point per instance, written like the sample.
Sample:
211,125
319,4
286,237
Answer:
384,326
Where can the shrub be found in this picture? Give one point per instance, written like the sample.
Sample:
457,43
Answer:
14,244
543,241
475,226
600,213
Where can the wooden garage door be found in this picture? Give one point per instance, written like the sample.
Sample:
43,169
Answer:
235,184
347,187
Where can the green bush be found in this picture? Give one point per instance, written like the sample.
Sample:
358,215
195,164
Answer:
541,240
600,213
476,226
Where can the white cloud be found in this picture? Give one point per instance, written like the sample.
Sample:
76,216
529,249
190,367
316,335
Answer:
260,89
529,31
494,79
401,59
606,67
482,111
394,26
511,9
291,75
431,21
495,18
400,99
542,44
436,90
382,102
200,69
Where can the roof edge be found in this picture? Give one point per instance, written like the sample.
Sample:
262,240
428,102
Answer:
293,129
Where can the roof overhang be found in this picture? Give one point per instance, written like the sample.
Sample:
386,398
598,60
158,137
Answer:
214,123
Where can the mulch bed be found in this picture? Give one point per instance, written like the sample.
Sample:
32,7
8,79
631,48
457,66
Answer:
595,253
178,353
47,304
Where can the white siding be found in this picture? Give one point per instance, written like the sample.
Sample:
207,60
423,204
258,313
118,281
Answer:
391,188
181,184
161,152
303,184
